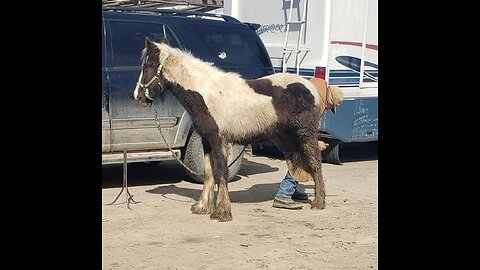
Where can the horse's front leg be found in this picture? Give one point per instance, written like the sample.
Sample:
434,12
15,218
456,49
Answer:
223,209
205,204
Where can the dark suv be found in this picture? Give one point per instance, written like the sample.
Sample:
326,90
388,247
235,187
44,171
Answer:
220,40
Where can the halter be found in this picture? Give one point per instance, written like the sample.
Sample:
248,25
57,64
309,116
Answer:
145,86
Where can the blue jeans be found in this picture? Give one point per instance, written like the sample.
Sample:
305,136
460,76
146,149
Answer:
287,186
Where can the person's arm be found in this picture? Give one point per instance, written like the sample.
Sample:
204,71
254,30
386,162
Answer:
322,145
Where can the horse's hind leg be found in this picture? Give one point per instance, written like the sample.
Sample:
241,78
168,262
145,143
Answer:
205,203
223,210
314,163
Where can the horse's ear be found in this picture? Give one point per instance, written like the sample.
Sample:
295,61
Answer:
164,41
149,44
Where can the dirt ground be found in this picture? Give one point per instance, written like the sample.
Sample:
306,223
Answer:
161,233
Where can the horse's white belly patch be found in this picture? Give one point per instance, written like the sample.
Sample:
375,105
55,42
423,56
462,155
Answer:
244,117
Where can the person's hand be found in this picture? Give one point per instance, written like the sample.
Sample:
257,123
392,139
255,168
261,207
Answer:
322,145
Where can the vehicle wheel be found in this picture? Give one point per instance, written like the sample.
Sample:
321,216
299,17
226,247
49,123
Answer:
193,158
332,153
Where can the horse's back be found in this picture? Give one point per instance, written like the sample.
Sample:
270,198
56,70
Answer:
292,82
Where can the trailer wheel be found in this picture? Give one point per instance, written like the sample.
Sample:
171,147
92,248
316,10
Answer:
193,158
332,153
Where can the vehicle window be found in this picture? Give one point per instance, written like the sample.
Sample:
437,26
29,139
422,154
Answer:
232,46
103,46
128,40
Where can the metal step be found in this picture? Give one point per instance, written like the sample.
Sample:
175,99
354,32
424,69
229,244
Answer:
117,158
294,50
296,22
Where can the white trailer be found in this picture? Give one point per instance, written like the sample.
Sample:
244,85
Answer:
336,40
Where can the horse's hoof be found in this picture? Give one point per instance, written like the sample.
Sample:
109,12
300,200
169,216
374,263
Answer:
317,205
222,217
200,209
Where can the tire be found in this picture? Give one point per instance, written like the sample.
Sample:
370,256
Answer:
332,153
193,158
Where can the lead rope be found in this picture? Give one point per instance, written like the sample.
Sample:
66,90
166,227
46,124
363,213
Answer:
157,122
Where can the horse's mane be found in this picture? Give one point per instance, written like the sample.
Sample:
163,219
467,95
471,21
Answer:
184,56
184,68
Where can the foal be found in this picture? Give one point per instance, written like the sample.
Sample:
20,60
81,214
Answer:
226,108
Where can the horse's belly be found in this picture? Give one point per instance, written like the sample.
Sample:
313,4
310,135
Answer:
239,112
243,124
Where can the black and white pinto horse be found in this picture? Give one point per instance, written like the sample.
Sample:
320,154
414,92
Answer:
226,108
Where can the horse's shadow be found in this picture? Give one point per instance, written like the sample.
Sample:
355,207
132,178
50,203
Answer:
256,193
166,172
250,168
140,174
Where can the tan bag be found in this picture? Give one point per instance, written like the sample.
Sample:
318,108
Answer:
300,175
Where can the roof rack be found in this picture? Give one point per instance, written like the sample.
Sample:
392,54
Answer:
192,5
173,12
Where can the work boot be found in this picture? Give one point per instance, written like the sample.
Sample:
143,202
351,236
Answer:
297,195
286,202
